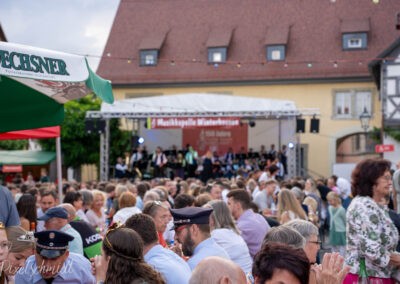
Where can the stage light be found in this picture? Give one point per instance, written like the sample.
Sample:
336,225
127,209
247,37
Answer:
290,145
252,123
141,140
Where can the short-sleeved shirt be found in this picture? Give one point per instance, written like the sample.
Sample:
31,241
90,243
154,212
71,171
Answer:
206,248
172,267
8,210
76,269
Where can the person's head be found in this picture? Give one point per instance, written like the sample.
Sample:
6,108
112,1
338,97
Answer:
298,193
183,200
87,198
160,214
26,207
287,202
70,210
334,198
22,247
51,252
216,191
311,203
280,263
371,177
55,218
74,198
273,170
217,270
98,200
238,202
127,199
269,186
48,199
5,244
202,199
310,232
284,235
123,250
142,188
221,217
191,226
143,225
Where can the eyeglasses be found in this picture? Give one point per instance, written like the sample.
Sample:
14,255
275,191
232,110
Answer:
315,242
6,245
387,177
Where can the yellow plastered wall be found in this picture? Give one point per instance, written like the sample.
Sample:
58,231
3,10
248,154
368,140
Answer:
322,146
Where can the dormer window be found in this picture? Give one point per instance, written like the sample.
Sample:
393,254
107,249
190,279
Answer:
217,45
217,55
148,57
355,34
276,42
276,53
150,47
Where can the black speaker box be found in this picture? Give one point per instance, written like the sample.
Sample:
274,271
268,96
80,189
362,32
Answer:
300,125
314,126
95,125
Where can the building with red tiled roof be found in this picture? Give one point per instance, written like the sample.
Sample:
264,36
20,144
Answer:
314,52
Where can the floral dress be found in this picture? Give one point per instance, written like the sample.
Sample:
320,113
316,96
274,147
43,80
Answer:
370,232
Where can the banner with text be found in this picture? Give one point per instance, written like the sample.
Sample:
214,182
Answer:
216,139
192,122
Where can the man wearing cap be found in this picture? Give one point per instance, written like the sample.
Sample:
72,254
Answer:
56,218
192,231
53,263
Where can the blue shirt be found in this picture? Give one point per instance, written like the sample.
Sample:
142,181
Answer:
76,269
206,248
8,210
172,267
76,245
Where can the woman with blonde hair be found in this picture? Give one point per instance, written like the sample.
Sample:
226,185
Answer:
226,234
96,215
288,207
22,247
312,206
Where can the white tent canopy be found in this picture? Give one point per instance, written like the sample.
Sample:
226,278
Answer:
195,105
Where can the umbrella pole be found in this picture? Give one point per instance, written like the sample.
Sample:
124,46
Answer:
59,172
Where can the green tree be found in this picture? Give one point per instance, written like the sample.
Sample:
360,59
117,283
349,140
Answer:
13,144
78,146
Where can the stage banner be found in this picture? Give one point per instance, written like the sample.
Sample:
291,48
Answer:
192,122
216,139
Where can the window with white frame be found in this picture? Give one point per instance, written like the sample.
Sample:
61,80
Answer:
148,57
354,41
349,104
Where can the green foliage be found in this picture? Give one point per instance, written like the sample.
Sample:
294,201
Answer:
13,144
78,146
394,133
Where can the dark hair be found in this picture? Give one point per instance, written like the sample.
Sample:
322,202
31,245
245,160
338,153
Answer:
144,226
241,196
141,189
48,192
110,187
274,256
72,196
366,174
183,200
26,207
125,249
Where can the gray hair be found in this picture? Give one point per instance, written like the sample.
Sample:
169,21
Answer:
298,193
221,215
87,197
305,228
285,235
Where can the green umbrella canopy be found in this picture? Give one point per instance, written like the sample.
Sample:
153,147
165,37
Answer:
35,83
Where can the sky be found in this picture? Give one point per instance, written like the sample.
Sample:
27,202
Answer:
72,26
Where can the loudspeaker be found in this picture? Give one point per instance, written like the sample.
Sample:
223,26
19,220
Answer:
95,125
300,125
314,126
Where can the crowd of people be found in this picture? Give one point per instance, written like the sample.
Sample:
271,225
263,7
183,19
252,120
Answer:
253,228
186,163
